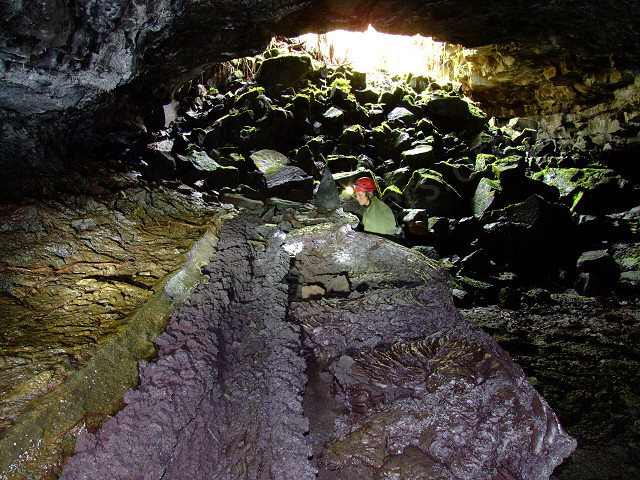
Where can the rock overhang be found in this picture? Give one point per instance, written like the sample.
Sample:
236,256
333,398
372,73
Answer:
125,62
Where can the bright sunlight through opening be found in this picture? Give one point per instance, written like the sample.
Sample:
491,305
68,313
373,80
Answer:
371,50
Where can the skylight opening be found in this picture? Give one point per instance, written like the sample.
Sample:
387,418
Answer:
371,51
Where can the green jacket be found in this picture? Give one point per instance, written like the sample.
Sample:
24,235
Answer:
378,218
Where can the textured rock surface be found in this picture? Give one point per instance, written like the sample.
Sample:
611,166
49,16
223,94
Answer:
76,78
417,391
87,283
582,355
223,399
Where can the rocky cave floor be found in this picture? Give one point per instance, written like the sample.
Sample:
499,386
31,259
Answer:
582,354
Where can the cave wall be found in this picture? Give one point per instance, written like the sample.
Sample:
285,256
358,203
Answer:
80,80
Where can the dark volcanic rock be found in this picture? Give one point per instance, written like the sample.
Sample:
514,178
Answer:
77,79
412,388
223,398
417,392
327,197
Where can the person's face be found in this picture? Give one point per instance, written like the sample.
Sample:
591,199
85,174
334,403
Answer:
362,198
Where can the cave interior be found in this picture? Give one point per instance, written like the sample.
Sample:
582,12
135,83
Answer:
134,133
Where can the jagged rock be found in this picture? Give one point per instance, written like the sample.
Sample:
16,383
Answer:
327,197
401,116
597,272
400,372
532,238
421,156
427,189
200,166
453,114
286,70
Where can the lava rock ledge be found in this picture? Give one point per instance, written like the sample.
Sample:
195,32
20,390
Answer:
411,389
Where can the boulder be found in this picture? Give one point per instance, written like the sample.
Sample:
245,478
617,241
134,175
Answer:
282,179
352,135
416,222
390,143
454,114
279,126
342,163
327,197
533,238
400,116
158,162
477,264
256,101
602,272
286,70
427,189
269,161
367,95
357,79
226,129
502,181
333,120
398,177
417,392
589,190
200,166
486,196
422,156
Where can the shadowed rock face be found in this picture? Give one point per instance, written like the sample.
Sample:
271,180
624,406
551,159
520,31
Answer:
400,386
76,78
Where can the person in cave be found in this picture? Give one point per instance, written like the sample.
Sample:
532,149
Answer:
378,217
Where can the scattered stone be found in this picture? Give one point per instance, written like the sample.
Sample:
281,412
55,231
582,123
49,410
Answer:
453,114
597,271
286,70
327,197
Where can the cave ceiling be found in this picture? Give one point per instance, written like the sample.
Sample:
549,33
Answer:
75,72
